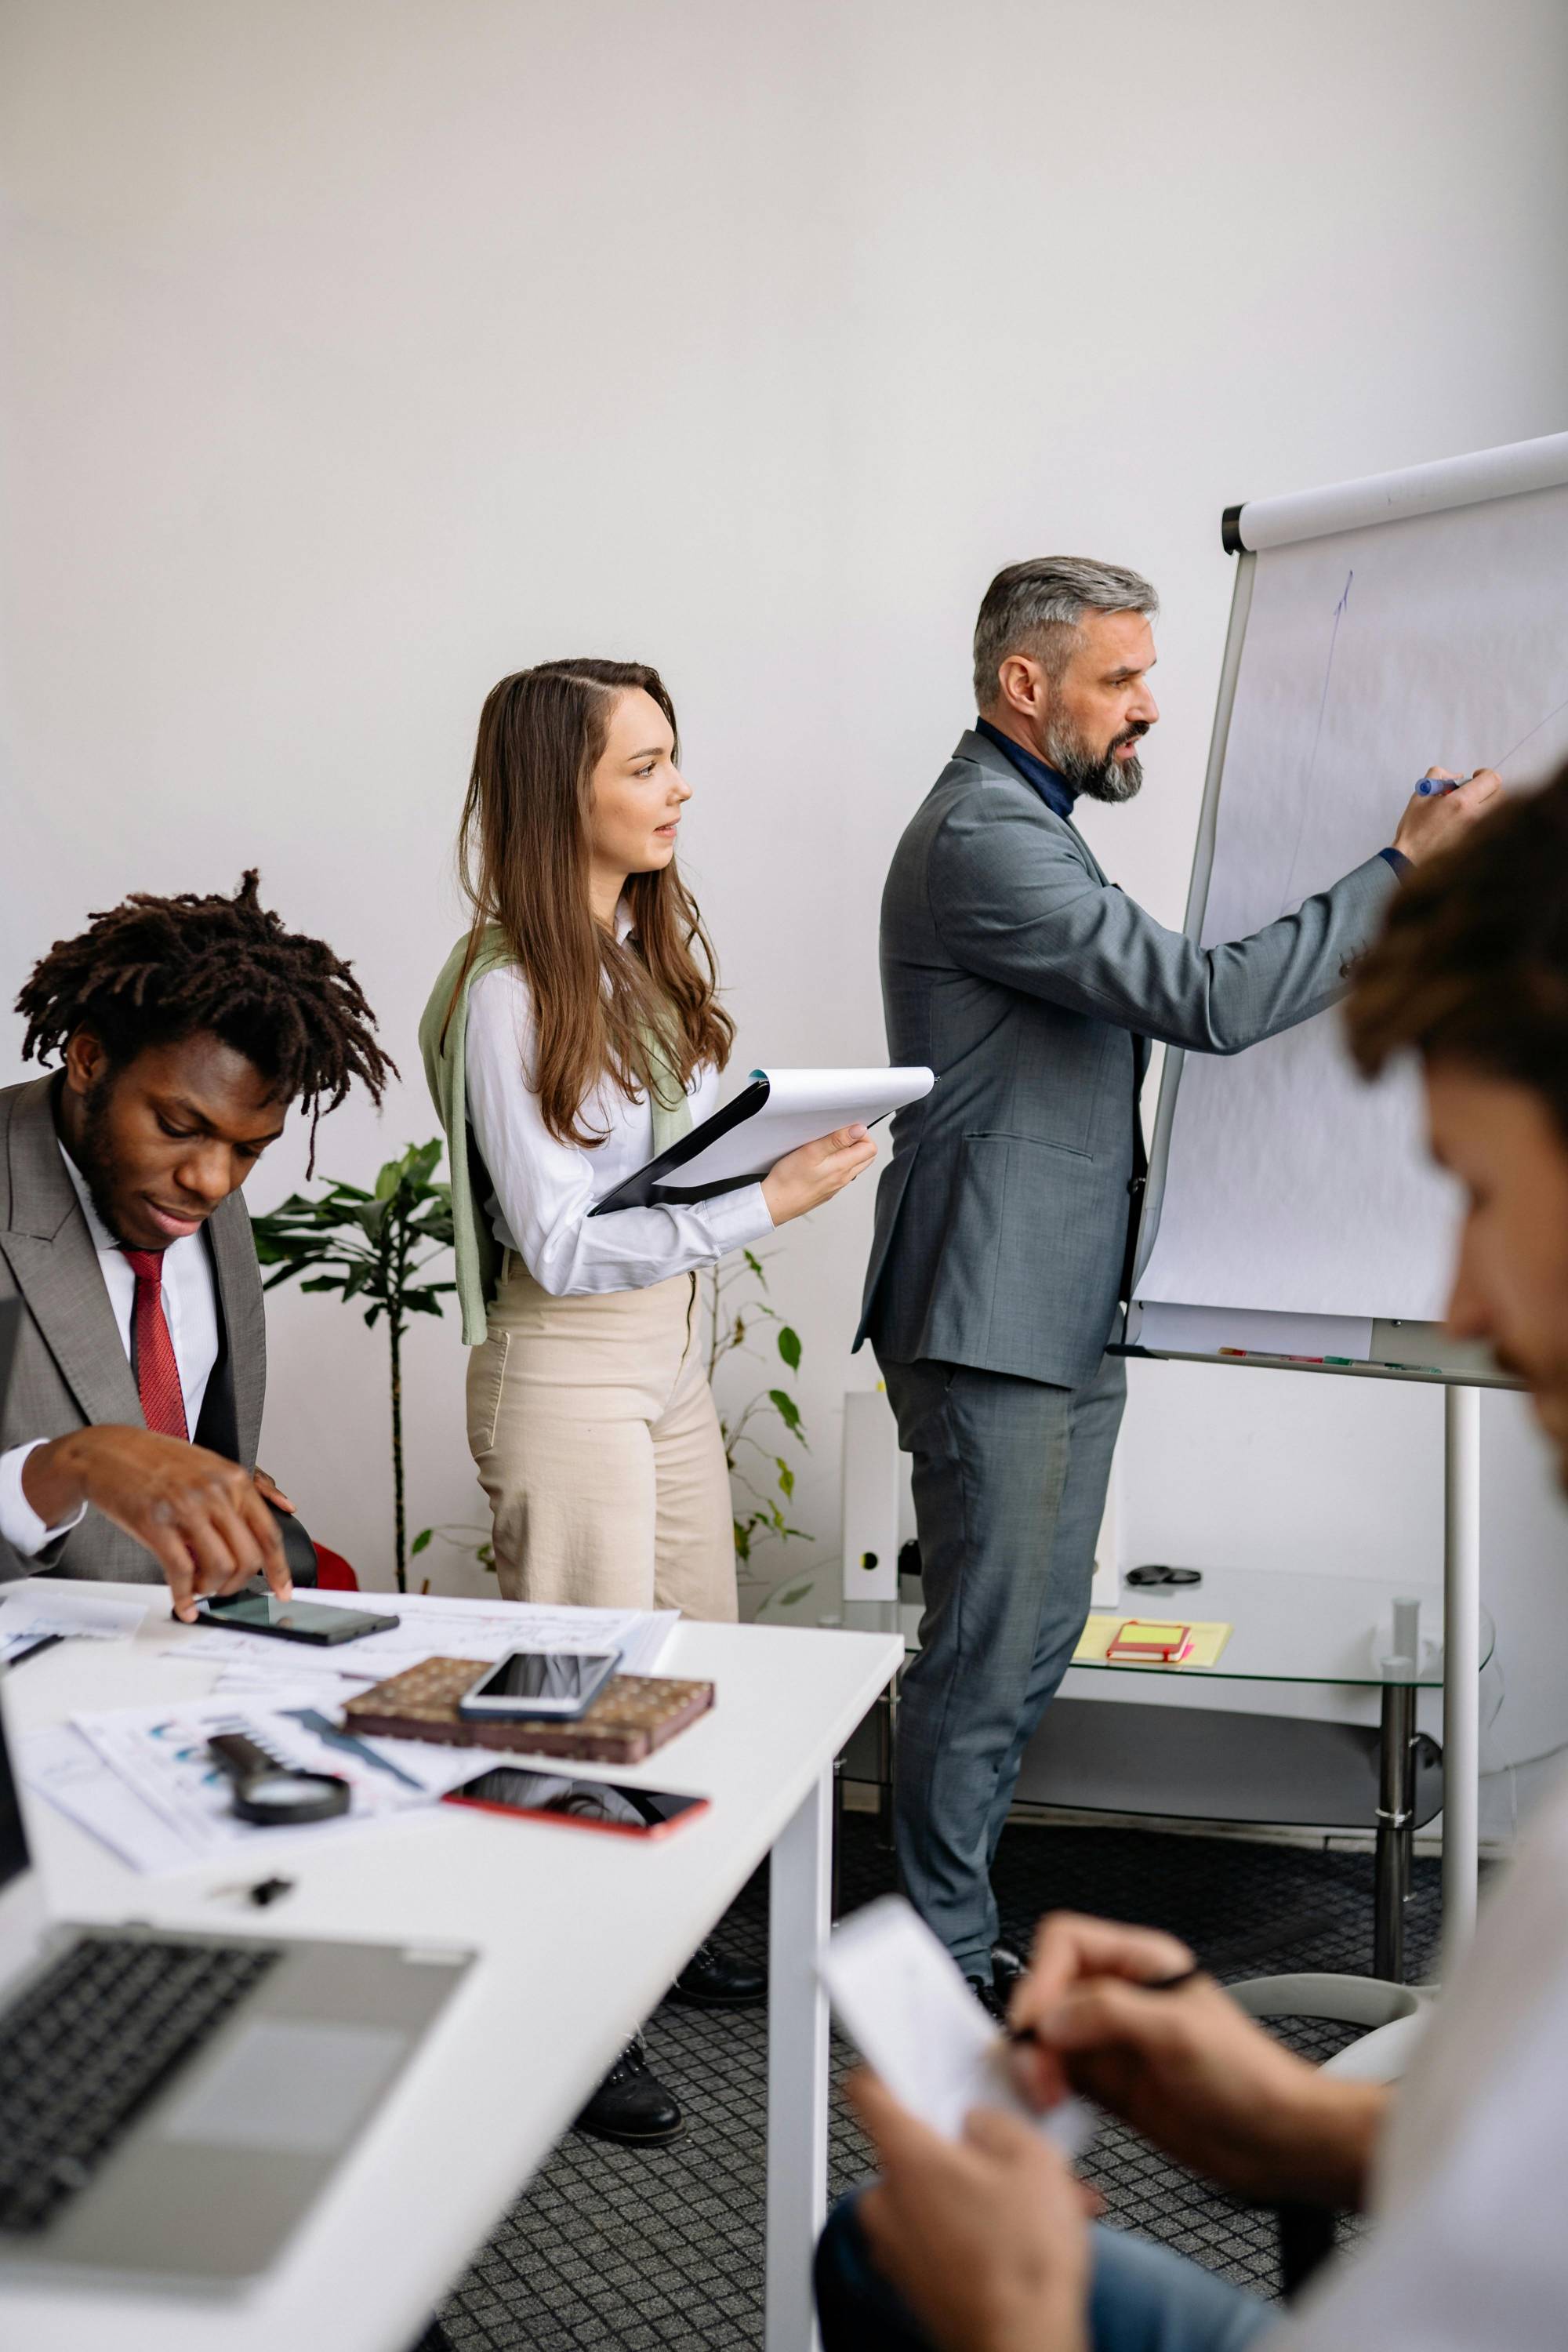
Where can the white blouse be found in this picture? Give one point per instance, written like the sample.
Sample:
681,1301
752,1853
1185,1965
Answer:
544,1190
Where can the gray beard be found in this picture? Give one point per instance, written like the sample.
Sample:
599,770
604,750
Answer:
1105,778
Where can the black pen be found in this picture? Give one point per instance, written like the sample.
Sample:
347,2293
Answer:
36,1649
1240,1951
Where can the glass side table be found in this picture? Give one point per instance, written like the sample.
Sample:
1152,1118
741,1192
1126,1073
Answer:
1287,1627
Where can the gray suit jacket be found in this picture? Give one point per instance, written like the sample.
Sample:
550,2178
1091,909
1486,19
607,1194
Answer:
1031,986
71,1369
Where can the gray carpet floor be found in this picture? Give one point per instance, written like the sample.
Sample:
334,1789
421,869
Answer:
609,2247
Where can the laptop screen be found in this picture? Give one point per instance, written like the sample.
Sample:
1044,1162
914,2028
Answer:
13,1840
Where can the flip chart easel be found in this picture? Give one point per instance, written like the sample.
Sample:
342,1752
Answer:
1290,1220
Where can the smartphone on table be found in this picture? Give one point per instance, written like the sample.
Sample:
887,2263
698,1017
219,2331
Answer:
292,1620
563,1683
580,1804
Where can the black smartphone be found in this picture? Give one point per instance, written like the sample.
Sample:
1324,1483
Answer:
582,1804
290,1620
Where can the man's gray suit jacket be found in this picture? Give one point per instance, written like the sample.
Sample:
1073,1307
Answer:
71,1369
1031,986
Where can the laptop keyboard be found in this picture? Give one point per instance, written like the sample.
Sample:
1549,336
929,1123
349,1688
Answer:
85,2048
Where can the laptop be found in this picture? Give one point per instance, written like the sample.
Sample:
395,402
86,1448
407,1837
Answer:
171,2103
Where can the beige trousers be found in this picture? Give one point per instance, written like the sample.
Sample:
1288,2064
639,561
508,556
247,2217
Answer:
596,1437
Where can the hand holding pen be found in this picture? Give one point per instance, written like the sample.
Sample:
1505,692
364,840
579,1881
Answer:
1127,2017
1441,810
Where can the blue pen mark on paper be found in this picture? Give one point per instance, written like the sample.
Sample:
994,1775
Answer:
1534,731
1308,779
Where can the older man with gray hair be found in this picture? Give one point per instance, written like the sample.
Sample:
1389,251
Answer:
1032,986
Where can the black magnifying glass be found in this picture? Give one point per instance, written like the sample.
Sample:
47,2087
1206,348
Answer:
273,1795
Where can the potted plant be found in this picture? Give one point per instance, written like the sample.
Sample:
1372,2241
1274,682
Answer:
377,1246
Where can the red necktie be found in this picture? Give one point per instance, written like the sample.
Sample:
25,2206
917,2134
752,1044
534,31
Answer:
157,1373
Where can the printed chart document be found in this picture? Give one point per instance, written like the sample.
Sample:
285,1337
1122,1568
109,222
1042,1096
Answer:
428,1626
34,1612
141,1778
900,1996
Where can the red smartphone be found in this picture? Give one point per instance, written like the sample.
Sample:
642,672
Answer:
580,1804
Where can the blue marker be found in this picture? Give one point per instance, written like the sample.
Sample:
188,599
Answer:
1429,786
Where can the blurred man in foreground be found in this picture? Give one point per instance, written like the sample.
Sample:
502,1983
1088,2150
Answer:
987,2241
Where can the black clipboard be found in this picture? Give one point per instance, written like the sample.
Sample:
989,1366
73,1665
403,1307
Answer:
648,1187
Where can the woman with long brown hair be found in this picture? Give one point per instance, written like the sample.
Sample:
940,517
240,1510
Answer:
576,1030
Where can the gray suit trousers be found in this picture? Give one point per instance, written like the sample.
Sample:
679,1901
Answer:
1009,1482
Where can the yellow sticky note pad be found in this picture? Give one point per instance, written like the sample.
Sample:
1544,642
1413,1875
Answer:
1207,1643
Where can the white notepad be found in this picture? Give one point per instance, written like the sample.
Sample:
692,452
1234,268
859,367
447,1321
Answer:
775,1113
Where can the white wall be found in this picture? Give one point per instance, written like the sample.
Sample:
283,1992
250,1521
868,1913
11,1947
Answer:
363,351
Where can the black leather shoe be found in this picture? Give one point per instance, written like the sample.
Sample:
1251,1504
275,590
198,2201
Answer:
1006,1966
631,2104
711,1980
990,2000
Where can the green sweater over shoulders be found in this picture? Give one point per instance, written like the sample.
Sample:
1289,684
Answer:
442,1042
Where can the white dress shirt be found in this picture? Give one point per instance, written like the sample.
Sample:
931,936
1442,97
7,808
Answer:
1468,2252
544,1190
190,1310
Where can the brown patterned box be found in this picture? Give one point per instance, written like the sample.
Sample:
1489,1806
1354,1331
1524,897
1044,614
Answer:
632,1716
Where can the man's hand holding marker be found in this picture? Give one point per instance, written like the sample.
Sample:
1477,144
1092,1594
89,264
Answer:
1442,807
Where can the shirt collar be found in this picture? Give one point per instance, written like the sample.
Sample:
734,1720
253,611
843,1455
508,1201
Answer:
1053,789
625,926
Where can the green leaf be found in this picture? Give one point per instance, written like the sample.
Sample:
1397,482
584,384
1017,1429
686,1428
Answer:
325,1282
786,1476
785,1405
789,1347
755,1263
420,1542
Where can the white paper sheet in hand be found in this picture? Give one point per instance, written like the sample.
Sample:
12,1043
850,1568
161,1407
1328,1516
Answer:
801,1105
912,2017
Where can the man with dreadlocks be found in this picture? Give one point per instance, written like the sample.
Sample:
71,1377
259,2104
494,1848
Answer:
185,1028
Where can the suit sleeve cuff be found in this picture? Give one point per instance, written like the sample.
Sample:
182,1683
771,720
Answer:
1398,860
19,1523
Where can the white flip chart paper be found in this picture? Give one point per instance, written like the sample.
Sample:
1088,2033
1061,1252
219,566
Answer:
1369,656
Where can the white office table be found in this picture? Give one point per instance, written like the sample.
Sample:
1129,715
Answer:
577,1940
